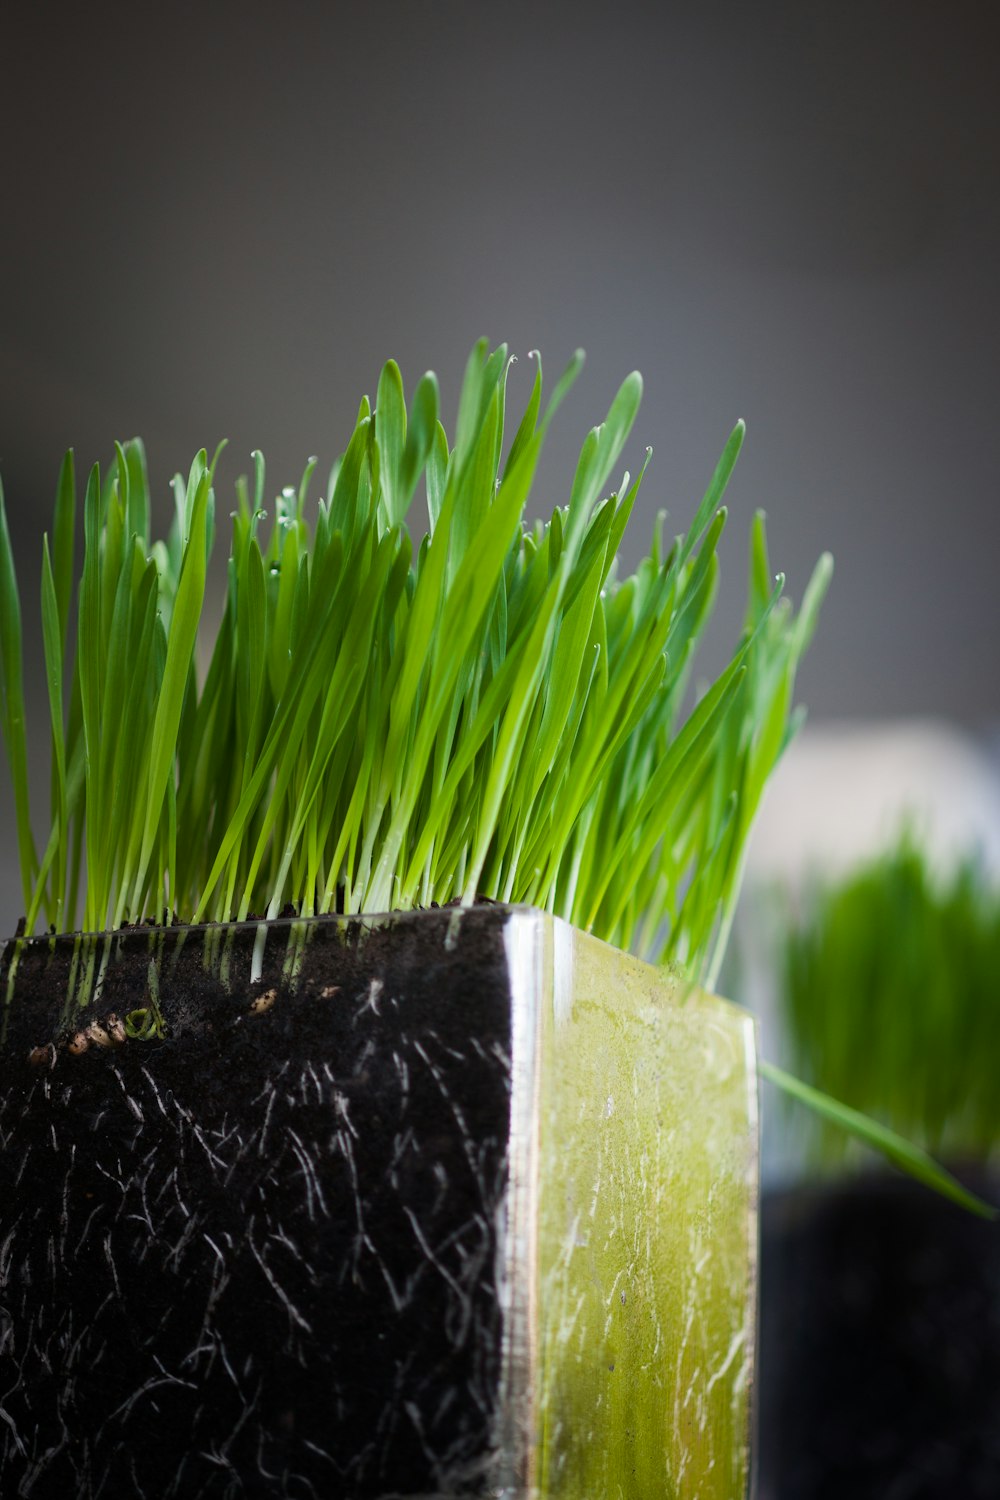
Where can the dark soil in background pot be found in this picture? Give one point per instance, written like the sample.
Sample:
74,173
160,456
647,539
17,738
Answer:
880,1344
258,1257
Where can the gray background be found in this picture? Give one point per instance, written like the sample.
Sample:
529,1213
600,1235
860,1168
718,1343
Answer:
221,220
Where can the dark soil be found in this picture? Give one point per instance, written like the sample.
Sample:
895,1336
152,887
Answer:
257,1257
880,1345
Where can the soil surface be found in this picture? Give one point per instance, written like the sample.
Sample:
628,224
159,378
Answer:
257,1256
880,1344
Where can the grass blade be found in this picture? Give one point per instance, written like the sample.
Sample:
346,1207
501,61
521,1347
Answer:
895,1148
12,719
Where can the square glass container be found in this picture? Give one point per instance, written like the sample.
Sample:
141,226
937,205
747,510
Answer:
453,1202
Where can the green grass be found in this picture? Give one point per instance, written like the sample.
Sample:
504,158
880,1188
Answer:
487,712
386,722
891,993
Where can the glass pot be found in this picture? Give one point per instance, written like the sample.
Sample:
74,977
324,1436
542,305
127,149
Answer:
451,1202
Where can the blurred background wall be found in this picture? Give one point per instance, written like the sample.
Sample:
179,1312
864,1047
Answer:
218,220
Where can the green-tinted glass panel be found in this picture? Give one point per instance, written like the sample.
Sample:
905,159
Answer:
646,1231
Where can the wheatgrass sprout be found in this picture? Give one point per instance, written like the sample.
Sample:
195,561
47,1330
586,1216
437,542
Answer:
487,713
891,995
